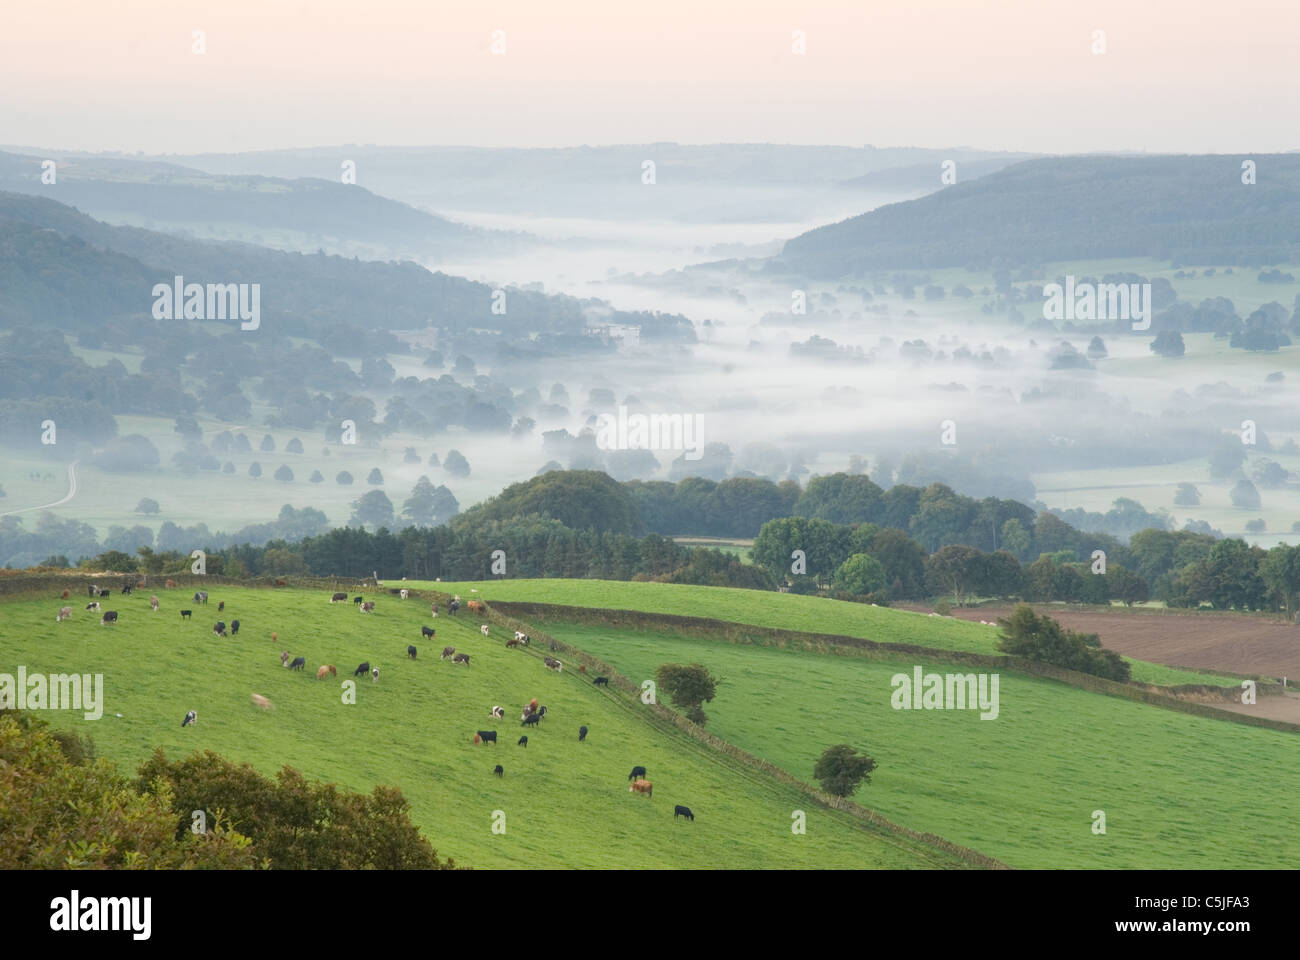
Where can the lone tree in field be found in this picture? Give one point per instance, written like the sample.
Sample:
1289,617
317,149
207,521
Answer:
375,477
456,464
689,687
293,446
254,469
268,444
316,476
841,770
1026,634
284,474
147,505
1187,495
343,478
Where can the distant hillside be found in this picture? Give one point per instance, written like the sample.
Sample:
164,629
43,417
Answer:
66,273
1194,210
164,196
925,177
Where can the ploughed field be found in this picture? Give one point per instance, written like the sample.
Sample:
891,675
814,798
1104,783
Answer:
565,803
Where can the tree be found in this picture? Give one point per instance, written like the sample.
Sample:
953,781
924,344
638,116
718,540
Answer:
227,467
841,770
374,509
1168,343
147,505
1187,495
1025,634
1269,474
456,464
188,427
293,446
861,574
1245,495
284,474
955,569
1226,458
116,561
343,478
689,687
316,477
1096,348
410,456
839,498
268,444
254,469
1015,539
375,478
1280,571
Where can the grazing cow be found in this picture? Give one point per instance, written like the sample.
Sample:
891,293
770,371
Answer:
520,635
582,668
453,607
93,606
275,636
638,773
488,736
541,712
498,771
512,643
555,647
234,627
532,705
322,673
221,606
337,597
461,658
64,595
530,720
284,658
447,652
523,741
261,701
298,663
428,632
110,616
201,597
484,629
582,734
410,651
498,713
553,664
185,614
367,607
476,606
433,607
477,740
153,602
103,593
404,594
64,613
357,599
191,718
680,811
361,669
601,681
170,584
93,591
126,591
642,786
219,628
374,675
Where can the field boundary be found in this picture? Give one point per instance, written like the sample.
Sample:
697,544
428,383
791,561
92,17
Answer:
740,633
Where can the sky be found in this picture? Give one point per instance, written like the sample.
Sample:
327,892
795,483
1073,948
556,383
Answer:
126,75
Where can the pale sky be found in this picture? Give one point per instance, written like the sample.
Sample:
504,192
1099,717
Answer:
1191,76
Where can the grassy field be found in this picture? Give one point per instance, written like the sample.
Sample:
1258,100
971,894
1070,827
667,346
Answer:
782,611
566,803
1178,791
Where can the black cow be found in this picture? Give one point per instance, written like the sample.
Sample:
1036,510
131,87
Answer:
103,593
447,652
234,627
298,663
601,681
554,647
93,606
221,606
427,632
357,599
582,734
680,811
110,616
461,658
530,720
185,614
488,736
363,669
92,591
498,771
410,652
523,741
453,607
636,772
126,591
190,718
541,711
338,596
200,597
219,628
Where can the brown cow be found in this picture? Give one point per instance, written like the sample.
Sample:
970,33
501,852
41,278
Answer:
261,701
512,643
64,614
476,606
642,786
284,658
170,584
65,595
153,602
326,669
368,607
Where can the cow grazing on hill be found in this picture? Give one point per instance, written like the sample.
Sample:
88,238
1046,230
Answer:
498,713
484,629
642,786
410,651
103,593
221,606
93,606
601,681
261,701
453,607
298,663
428,632
488,736
126,591
374,675
367,607
284,658
521,636
447,652
65,594
512,643
498,771
582,734
361,669
555,647
532,705
358,599
523,741
110,616
185,614
476,606
93,591
541,712
404,594
680,811
64,613
530,720
200,597
637,773
582,668
191,718
461,658
153,603
323,672
553,664
337,597
219,628
234,627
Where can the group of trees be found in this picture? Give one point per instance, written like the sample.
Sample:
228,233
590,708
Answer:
1026,634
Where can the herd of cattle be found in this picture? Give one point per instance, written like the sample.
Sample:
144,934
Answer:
532,715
